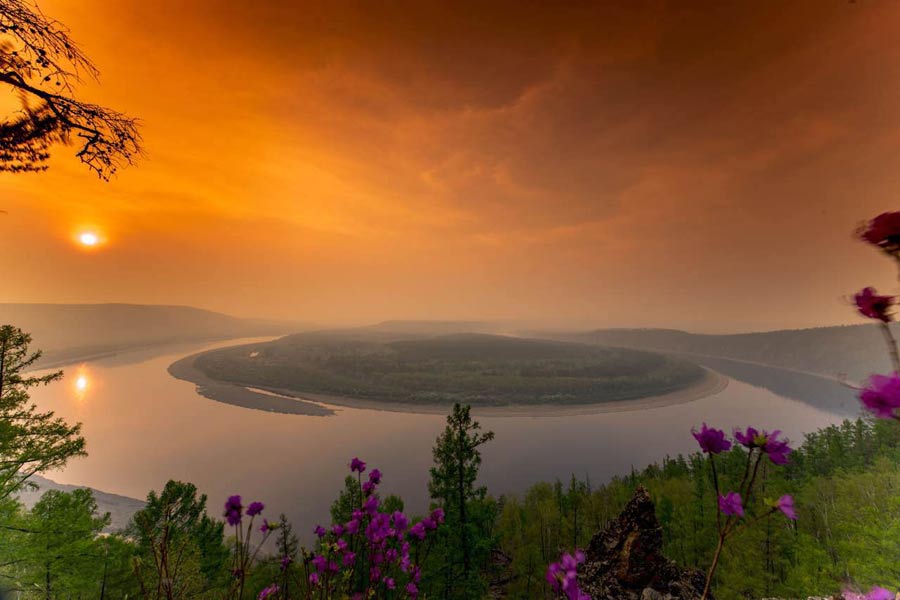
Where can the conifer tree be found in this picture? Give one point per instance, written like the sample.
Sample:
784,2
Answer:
463,545
31,441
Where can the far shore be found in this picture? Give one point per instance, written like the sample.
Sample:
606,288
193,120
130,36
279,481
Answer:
57,359
285,401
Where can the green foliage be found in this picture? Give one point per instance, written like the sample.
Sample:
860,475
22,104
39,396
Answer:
31,441
55,550
58,544
462,547
468,369
181,550
846,483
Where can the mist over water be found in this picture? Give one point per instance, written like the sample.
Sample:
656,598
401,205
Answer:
143,427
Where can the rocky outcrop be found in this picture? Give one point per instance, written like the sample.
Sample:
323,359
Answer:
625,560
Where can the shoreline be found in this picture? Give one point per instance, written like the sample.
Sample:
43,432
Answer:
278,400
53,361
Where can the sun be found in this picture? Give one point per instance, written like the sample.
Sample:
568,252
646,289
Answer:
88,238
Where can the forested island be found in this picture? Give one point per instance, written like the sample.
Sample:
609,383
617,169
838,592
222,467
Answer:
475,369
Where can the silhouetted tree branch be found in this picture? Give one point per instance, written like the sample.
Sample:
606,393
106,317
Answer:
43,65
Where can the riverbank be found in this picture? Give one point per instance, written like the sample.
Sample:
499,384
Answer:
301,403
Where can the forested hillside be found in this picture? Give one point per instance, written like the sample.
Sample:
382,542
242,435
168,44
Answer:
852,350
847,489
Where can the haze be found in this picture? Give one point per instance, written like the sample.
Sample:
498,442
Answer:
647,164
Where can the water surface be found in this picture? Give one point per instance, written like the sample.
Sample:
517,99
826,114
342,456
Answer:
144,427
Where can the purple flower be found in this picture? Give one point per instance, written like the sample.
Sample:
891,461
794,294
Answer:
870,304
563,576
883,231
357,466
349,558
882,395
314,579
389,583
730,504
400,522
286,562
375,476
786,505
368,487
437,515
266,592
750,439
255,508
711,440
776,449
319,531
266,527
371,505
417,531
352,526
412,590
337,530
233,508
320,562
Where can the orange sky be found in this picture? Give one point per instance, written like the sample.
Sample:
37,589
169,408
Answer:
653,164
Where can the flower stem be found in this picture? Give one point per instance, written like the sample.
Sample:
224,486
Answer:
712,567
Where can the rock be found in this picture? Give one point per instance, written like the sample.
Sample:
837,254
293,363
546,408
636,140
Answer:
625,561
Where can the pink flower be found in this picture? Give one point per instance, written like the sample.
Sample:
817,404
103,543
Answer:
882,395
786,505
730,504
870,304
876,593
266,592
563,576
879,593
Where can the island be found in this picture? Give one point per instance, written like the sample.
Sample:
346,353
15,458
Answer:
303,373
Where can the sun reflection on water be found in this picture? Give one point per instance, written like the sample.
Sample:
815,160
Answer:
82,383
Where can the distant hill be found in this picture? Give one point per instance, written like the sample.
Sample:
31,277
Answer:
75,331
852,350
120,508
425,327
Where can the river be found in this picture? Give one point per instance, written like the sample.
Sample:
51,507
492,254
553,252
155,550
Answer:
144,427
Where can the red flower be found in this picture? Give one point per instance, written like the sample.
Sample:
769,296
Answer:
883,231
